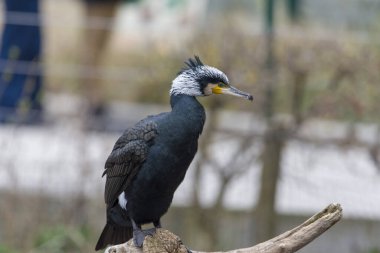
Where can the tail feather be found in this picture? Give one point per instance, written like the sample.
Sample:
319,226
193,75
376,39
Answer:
112,235
117,230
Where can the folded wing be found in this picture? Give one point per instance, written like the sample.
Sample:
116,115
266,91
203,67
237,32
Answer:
128,155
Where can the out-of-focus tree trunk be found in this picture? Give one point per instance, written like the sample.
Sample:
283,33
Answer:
277,132
271,159
265,215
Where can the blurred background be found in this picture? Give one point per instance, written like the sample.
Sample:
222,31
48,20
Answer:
76,73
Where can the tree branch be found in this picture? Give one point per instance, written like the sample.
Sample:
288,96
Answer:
291,241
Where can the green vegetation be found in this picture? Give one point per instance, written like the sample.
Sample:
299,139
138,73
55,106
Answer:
5,249
61,239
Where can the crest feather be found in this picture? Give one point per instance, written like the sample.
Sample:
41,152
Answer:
192,63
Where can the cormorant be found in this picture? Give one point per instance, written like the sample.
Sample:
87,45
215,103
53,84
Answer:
150,160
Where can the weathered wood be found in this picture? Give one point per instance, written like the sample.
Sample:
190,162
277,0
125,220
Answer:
166,242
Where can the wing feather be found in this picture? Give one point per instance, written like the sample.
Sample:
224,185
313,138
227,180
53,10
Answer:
126,158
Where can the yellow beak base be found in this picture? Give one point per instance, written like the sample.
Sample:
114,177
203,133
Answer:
217,90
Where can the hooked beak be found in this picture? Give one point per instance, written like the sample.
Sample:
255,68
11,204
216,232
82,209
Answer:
230,90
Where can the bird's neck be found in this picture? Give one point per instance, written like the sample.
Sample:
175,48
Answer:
185,103
188,108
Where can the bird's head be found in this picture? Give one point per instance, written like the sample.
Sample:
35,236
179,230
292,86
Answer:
197,79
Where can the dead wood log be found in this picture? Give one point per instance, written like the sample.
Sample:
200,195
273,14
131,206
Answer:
290,241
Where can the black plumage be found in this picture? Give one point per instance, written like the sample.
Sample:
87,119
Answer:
150,160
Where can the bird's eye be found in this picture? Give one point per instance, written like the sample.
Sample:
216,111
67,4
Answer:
222,85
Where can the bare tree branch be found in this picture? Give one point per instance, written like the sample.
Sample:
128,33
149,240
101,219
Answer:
291,241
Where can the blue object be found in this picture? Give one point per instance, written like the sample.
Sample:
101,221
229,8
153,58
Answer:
21,75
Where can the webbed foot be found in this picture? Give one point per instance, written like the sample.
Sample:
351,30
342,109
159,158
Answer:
139,235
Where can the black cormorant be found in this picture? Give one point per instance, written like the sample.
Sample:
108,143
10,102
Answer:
150,160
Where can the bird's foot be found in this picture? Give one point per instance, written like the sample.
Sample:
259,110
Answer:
139,235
